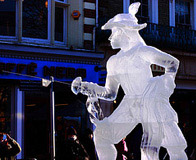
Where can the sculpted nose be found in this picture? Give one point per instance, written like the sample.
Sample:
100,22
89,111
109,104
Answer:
110,38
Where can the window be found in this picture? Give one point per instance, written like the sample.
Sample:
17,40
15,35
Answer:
148,11
34,21
61,21
59,24
35,16
182,14
7,18
142,13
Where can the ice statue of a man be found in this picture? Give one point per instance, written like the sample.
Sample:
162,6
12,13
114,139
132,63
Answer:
146,99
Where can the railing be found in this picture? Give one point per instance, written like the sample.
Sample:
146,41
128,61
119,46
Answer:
160,36
169,37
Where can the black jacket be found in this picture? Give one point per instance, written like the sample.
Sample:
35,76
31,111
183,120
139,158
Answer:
72,150
9,149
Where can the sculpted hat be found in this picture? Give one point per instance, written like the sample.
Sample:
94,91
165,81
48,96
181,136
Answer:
127,20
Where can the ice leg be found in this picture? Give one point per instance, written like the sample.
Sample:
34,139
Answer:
107,134
151,141
174,142
177,153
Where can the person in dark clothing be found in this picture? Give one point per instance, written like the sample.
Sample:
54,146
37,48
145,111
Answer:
87,141
122,151
71,148
9,148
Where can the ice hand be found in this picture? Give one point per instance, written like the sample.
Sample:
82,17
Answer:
76,85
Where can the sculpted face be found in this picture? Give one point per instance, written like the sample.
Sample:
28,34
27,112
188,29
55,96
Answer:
124,38
114,38
118,39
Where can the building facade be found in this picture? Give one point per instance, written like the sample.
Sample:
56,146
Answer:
171,27
63,39
40,39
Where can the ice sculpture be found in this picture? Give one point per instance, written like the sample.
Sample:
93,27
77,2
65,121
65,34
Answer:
146,99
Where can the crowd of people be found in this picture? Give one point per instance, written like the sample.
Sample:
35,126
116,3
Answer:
75,147
70,148
81,147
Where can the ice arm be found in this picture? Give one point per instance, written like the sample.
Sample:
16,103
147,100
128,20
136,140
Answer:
155,56
108,92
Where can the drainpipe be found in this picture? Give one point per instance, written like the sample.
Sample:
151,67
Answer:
96,25
194,14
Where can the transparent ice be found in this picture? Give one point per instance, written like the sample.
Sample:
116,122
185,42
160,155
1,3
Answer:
146,99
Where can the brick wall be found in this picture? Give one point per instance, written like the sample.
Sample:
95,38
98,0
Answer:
89,22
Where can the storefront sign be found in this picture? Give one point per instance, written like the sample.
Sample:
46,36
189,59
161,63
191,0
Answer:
59,72
45,69
63,72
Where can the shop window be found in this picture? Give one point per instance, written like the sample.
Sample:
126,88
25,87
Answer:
35,18
142,13
36,125
7,18
182,14
5,109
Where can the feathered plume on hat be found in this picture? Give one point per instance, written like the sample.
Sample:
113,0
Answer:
126,20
